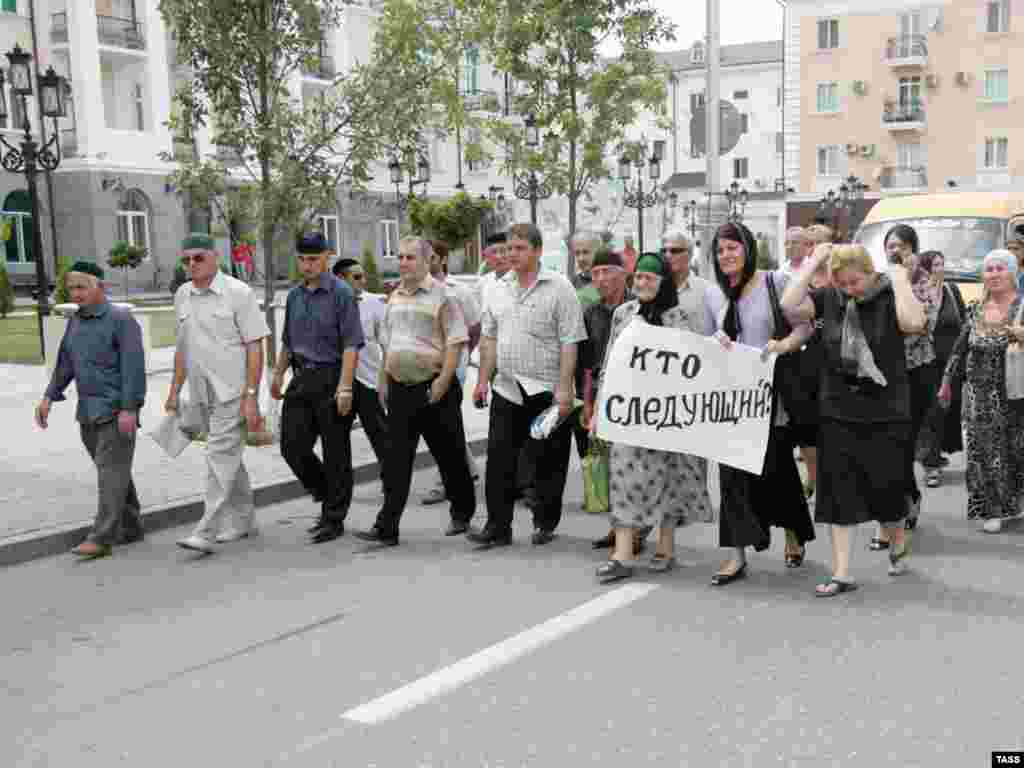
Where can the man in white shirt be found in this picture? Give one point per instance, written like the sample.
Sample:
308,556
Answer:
365,403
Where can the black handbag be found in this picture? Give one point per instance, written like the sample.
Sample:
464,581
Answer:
796,387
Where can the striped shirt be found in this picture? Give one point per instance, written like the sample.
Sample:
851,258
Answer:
419,325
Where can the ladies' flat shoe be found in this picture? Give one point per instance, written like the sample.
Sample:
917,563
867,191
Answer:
662,563
834,587
992,525
613,570
721,579
877,545
795,560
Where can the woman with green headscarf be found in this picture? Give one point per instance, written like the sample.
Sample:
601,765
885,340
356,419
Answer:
649,488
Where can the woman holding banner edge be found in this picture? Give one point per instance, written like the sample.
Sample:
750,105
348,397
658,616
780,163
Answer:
864,398
650,488
740,309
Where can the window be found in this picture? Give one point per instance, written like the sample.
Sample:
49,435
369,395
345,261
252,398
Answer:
997,153
697,101
16,228
997,16
828,97
780,143
389,238
15,121
828,160
471,70
328,225
997,85
828,33
910,92
133,219
744,123
741,95
910,24
740,168
909,156
697,53
140,109
9,6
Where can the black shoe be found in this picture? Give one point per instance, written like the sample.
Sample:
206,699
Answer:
328,532
376,536
613,570
490,539
721,579
605,542
541,537
456,529
320,523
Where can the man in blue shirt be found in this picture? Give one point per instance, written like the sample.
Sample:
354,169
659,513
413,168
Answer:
102,353
321,340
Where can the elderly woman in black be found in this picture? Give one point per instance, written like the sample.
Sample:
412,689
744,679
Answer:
865,399
650,488
743,306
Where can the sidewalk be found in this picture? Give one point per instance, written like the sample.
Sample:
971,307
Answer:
49,483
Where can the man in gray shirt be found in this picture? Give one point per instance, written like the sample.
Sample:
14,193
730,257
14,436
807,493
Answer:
102,353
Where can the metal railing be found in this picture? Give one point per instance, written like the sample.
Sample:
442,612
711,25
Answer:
59,27
906,47
910,177
123,33
905,112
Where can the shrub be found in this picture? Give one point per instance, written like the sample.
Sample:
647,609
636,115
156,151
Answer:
61,295
124,255
373,283
6,292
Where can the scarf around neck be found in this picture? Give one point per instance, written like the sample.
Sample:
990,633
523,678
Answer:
853,346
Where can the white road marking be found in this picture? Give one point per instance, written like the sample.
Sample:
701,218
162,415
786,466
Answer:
496,656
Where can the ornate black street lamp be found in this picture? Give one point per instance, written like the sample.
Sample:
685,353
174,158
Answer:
422,177
29,158
832,205
635,197
737,198
531,186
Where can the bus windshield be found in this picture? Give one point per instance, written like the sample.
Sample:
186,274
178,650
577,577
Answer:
963,242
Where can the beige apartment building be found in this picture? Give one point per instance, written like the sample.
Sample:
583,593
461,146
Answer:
907,96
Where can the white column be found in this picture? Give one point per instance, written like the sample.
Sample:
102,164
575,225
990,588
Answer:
712,103
83,40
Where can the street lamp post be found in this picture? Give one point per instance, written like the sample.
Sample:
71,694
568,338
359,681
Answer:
737,199
636,197
531,186
422,177
832,205
29,158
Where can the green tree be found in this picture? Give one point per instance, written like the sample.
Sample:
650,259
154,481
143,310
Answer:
583,101
289,157
61,295
373,283
6,292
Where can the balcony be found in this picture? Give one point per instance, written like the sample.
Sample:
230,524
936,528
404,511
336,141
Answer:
481,101
907,51
59,27
120,33
321,69
906,116
69,142
903,179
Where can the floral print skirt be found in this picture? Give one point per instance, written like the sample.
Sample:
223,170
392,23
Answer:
649,488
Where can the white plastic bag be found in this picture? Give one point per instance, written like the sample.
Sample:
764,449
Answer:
270,410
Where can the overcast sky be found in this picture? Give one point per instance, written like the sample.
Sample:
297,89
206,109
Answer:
743,21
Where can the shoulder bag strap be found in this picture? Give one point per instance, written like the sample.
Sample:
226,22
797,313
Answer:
781,325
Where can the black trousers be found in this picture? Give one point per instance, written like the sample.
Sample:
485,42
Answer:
508,433
924,383
309,412
411,415
366,405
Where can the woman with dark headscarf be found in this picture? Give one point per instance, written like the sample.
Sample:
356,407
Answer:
739,308
649,488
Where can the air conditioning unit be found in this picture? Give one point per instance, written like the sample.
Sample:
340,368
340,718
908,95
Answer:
931,81
860,87
852,149
962,78
867,150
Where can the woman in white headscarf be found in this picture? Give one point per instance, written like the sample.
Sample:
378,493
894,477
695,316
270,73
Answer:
985,362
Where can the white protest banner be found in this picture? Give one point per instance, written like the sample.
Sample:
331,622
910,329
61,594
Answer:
672,390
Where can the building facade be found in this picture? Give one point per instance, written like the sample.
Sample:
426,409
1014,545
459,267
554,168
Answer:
907,96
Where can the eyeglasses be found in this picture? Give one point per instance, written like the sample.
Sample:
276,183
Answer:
194,258
675,251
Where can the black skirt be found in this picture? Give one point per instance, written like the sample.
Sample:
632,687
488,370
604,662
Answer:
861,473
753,504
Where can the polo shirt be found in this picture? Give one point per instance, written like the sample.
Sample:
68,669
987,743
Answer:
320,324
419,325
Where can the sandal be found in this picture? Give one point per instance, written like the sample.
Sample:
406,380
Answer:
613,570
834,587
662,563
797,559
877,544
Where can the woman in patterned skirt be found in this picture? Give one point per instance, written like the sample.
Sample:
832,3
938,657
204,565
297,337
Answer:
649,488
994,423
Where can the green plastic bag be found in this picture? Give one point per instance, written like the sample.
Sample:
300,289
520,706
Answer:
595,479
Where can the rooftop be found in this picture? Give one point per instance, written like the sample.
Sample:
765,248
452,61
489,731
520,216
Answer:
766,52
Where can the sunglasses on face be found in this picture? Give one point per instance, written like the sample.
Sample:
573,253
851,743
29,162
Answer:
194,258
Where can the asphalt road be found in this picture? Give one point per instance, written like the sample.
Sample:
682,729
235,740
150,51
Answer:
274,652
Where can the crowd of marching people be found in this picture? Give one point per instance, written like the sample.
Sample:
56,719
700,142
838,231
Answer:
876,370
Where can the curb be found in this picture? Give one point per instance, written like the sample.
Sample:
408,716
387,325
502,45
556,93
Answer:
32,546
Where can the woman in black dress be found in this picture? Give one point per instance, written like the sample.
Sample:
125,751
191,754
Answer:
865,399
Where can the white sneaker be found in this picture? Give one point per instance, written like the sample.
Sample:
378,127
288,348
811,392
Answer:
233,534
197,544
994,525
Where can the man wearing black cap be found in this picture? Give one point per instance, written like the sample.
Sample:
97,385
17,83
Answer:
365,402
102,353
321,340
